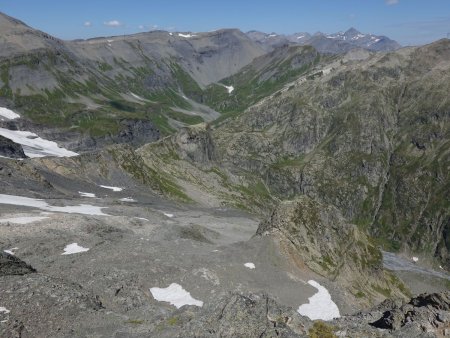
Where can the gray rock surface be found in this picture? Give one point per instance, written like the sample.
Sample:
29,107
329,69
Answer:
238,315
10,149
11,265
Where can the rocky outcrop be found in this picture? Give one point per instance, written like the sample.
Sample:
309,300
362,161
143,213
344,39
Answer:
329,245
43,306
258,315
426,313
195,144
11,265
11,149
239,315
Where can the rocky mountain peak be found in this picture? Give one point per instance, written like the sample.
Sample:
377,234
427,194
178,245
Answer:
351,32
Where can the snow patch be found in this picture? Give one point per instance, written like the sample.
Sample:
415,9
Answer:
111,188
137,97
22,220
249,265
34,146
189,35
142,218
8,114
11,251
272,35
73,249
415,259
85,209
86,194
168,215
358,36
127,199
175,295
320,305
229,89
4,309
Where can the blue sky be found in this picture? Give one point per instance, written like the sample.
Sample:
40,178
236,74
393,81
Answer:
408,21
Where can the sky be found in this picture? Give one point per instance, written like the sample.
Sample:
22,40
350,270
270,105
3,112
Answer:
410,22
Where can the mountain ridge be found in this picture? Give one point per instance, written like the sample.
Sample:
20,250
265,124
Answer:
340,42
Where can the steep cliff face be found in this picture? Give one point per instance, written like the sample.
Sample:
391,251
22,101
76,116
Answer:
319,235
195,144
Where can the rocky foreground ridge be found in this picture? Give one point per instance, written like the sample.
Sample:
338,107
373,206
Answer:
238,314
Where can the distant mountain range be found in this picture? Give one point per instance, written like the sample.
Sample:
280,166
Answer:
327,43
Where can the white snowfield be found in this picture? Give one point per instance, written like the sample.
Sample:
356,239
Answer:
73,249
111,188
189,35
229,89
86,194
5,113
11,251
84,209
137,97
175,295
249,265
168,215
320,305
128,199
34,146
23,220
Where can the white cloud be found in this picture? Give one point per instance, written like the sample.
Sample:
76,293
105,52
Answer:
113,23
87,24
391,2
141,27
